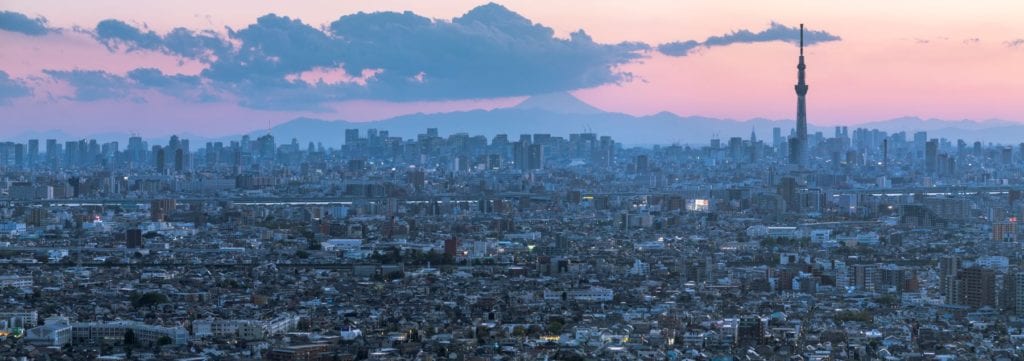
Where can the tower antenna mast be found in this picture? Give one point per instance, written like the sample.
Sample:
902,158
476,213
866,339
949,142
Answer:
801,39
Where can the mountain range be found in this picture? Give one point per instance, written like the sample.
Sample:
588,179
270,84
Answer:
560,114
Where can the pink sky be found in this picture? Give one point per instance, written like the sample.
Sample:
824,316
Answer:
897,58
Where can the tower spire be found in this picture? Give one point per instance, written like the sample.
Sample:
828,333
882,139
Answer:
799,151
801,39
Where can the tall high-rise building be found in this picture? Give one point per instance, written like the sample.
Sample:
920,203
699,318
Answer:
33,152
975,287
798,155
642,163
71,153
1013,291
266,147
351,136
931,151
52,153
160,154
787,189
885,154
19,155
179,160
519,155
451,247
535,157
1005,231
136,150
865,276
133,238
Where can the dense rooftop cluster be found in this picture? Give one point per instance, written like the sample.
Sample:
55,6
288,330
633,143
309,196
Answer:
468,247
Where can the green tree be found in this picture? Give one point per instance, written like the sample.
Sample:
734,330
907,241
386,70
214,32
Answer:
129,341
555,327
149,299
129,337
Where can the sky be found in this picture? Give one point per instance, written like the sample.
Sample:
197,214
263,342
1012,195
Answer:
225,67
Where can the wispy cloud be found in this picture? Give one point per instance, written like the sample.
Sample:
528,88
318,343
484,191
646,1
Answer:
12,88
775,32
92,85
201,45
678,48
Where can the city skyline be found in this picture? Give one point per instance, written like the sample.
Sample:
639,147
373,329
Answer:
461,180
941,66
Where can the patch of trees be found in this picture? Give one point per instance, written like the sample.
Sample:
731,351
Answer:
147,299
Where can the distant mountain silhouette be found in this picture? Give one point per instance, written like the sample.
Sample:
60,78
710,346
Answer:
915,124
561,114
662,128
558,114
562,103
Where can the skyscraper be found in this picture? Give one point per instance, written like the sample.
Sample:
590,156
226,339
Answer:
798,155
931,151
52,153
136,150
535,156
161,158
33,152
519,154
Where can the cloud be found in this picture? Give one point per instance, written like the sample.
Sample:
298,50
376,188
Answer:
203,45
272,51
678,48
113,33
92,85
184,87
12,88
775,32
488,52
970,41
274,47
20,23
274,63
1016,43
154,78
